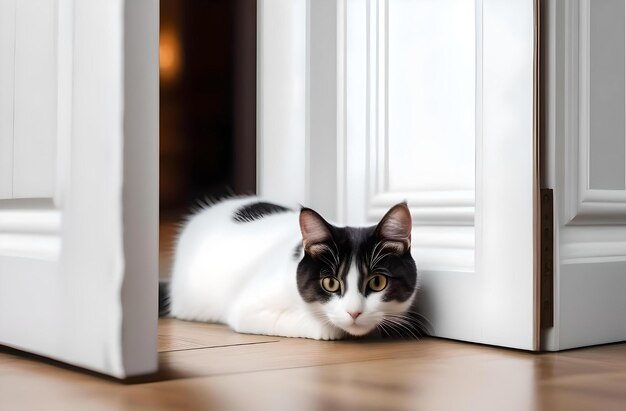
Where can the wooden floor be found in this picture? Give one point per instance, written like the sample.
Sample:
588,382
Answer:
208,367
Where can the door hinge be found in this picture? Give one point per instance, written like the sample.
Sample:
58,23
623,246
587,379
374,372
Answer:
547,259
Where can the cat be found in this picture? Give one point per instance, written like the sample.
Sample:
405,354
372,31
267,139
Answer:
265,268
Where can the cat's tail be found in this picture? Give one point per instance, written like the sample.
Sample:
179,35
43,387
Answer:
164,298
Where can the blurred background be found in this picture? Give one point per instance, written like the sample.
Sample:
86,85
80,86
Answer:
207,58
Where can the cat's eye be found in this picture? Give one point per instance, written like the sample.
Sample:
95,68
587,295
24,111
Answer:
377,282
330,284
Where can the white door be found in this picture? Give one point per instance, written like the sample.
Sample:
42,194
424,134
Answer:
586,168
78,181
363,104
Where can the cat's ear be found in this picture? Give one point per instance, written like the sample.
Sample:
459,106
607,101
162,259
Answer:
315,232
394,230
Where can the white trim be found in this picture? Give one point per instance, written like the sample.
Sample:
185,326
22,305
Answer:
21,220
30,229
505,178
34,247
594,253
366,111
307,107
323,110
439,210
282,100
138,292
342,133
584,205
8,9
444,208
65,89
381,176
592,244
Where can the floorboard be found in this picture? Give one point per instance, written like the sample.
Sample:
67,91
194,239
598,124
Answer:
209,367
175,335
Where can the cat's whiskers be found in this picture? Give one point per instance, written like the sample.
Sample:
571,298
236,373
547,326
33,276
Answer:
394,327
381,326
412,321
409,319
410,328
380,258
335,254
403,326
375,253
330,263
423,321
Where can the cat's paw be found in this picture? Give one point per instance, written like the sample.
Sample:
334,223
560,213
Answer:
328,333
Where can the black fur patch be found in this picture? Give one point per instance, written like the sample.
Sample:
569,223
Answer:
164,298
255,211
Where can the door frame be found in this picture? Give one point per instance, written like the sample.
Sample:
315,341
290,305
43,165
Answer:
589,224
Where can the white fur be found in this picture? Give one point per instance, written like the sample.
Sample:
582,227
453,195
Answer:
244,275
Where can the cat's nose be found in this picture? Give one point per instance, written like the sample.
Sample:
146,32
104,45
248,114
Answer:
355,314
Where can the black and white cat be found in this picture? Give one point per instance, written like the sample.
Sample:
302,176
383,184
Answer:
264,268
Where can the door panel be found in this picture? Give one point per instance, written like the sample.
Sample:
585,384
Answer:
430,107
7,70
78,233
434,106
586,167
399,144
606,95
462,156
35,111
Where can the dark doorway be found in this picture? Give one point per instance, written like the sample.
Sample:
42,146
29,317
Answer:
207,106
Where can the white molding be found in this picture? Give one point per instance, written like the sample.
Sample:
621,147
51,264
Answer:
281,100
7,90
324,108
341,93
440,208
65,89
30,229
583,205
34,119
584,244
443,234
444,207
593,252
299,108
30,246
506,183
439,249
